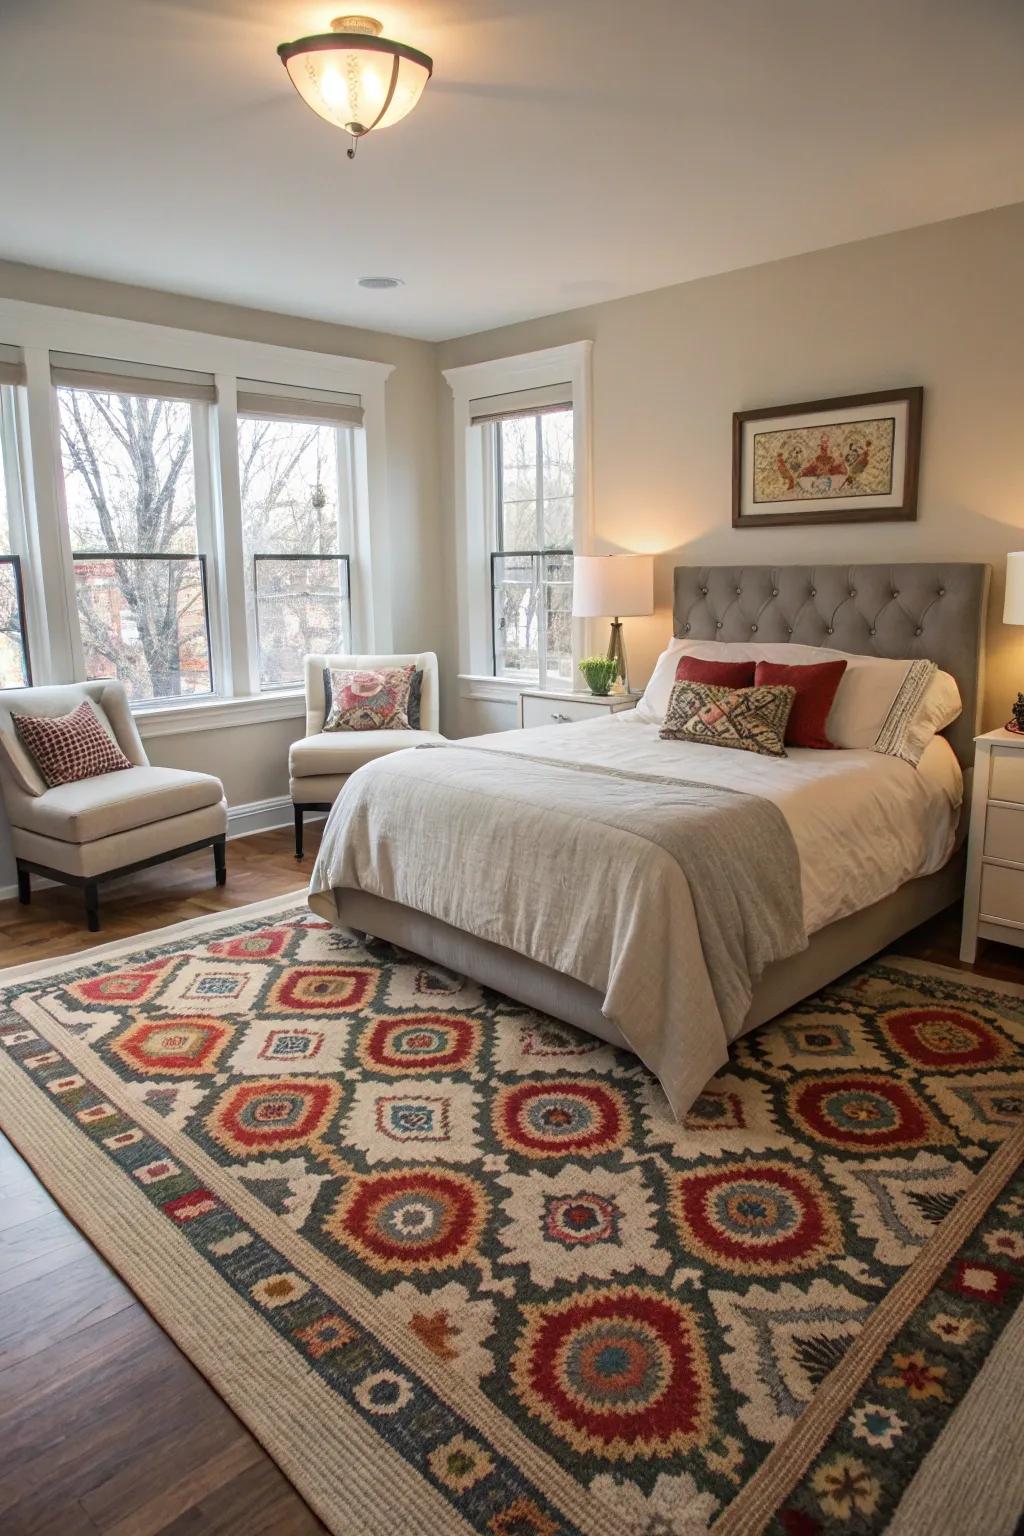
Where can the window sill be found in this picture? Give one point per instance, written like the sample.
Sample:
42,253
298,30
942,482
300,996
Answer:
499,690
219,714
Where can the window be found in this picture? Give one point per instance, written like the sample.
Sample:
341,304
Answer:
129,466
531,457
294,478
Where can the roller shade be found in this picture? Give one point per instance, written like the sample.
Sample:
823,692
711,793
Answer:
12,365
108,376
521,402
290,402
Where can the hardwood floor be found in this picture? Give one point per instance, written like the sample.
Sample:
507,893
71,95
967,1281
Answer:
106,1429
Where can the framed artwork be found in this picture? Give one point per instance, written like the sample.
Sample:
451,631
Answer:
849,460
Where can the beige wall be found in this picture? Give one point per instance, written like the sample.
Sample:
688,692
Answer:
941,306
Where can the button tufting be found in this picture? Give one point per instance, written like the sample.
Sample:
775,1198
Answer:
895,591
739,591
686,628
775,591
814,591
829,630
942,591
753,629
704,590
919,631
853,591
789,631
719,624
872,631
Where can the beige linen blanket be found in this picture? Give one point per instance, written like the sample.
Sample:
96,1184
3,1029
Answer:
668,897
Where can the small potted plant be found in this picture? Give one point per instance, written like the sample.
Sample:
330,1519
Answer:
599,673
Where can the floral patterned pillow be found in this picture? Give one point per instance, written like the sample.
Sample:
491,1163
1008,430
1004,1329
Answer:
370,700
747,719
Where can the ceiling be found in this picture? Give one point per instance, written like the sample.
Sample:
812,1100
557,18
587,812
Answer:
566,151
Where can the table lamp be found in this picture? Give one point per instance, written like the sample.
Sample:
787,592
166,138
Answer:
1013,613
615,587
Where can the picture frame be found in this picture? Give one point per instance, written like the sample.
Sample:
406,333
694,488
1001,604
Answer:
849,459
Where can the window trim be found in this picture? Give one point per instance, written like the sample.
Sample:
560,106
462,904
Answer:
500,376
41,329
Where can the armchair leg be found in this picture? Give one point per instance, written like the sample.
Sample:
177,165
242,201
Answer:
298,830
24,886
220,860
92,906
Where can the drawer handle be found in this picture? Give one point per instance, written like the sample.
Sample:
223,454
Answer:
561,719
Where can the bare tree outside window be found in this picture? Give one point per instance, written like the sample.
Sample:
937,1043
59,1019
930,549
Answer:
129,479
292,521
531,586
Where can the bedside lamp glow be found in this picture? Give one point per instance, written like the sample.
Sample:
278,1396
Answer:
1013,613
615,587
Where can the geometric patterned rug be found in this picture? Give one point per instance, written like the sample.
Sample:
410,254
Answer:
458,1268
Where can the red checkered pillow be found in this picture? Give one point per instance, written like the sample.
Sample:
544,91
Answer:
69,747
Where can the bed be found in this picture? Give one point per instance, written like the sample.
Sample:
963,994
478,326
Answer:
535,852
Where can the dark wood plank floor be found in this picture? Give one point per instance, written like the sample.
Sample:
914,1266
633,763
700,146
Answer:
106,1429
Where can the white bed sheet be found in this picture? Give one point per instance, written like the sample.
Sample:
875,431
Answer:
863,823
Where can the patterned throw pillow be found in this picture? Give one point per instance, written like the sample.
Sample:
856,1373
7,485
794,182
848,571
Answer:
747,719
415,698
364,700
66,748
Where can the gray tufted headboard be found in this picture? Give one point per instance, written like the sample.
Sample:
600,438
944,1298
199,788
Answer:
913,610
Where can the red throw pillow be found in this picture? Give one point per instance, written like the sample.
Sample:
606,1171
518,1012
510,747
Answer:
66,748
815,690
719,674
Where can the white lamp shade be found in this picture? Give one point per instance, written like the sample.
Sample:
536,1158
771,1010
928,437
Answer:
1013,607
612,586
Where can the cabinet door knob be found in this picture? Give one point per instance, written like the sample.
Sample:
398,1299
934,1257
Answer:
560,719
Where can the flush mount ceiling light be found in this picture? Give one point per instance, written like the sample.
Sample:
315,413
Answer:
381,282
354,78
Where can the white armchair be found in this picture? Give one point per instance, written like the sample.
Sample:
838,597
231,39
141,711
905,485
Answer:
113,823
319,764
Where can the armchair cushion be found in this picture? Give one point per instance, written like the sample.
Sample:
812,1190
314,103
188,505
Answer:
342,752
67,748
110,803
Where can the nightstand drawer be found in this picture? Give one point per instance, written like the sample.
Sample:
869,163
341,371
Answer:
1004,834
1002,894
1007,780
541,711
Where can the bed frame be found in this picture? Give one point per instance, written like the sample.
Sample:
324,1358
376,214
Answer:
935,611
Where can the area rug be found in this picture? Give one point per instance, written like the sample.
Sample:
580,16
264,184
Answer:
460,1271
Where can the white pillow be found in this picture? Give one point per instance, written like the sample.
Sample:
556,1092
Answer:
882,705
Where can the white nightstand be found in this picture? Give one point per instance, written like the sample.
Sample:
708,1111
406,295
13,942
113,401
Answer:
537,708
994,893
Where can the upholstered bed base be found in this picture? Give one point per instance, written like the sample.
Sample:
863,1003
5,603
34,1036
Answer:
831,951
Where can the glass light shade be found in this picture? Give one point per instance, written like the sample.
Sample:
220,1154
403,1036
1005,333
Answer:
1013,607
612,586
354,78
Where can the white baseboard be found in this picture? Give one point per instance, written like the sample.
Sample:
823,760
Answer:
243,820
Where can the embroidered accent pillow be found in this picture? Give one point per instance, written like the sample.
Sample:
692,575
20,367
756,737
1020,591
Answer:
746,719
415,698
370,700
66,748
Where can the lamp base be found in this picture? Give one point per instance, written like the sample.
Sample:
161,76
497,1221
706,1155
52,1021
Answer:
617,652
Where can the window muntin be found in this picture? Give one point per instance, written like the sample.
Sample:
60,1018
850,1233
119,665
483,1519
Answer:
15,667
531,566
128,462
293,477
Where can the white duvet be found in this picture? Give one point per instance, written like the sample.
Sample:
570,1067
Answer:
863,823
